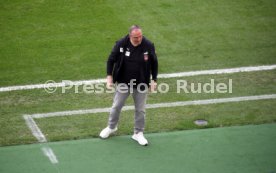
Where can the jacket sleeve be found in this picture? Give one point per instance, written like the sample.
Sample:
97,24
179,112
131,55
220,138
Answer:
112,58
154,63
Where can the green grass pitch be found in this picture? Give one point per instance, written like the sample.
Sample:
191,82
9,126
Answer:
70,40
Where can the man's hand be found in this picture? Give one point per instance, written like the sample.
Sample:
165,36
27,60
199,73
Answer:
153,86
109,82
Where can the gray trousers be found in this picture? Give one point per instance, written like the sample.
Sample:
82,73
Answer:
120,97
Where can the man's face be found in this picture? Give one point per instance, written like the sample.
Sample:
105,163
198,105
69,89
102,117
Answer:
136,37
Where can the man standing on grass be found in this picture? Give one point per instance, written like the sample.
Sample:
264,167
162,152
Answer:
130,65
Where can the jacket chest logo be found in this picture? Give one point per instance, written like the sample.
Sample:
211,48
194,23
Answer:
146,56
127,53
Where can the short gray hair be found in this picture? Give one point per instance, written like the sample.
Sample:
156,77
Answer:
133,27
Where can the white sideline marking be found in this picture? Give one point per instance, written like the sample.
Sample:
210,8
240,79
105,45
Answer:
34,128
212,101
39,86
74,112
170,75
158,105
218,71
50,154
37,133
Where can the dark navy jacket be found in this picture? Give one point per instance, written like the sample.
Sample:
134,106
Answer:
116,58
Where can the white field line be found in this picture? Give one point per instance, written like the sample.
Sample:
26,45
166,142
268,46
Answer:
34,128
37,133
158,105
218,71
170,75
48,152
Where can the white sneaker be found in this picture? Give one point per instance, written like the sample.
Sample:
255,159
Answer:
139,137
106,132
